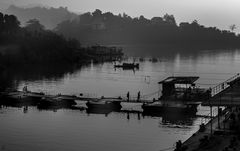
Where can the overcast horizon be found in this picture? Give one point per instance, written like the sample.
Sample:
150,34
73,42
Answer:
219,13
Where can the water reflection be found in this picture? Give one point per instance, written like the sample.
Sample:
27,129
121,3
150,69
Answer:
125,129
102,79
167,118
86,131
25,109
104,112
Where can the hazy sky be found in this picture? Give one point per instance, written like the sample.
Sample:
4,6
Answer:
220,13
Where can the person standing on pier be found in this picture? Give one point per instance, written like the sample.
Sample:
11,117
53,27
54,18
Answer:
128,96
138,96
25,89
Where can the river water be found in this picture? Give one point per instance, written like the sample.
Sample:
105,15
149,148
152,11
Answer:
65,129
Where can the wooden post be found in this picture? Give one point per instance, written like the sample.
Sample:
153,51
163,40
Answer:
218,118
211,118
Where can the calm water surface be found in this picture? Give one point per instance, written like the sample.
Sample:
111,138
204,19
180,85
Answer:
65,129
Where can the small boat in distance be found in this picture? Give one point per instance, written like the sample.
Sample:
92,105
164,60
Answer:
127,66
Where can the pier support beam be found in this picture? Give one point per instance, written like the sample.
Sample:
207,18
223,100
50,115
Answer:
219,117
211,119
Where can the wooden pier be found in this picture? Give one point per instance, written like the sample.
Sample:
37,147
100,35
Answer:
196,141
225,94
217,133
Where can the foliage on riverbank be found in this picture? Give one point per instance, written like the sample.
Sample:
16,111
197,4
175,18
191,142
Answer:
107,28
33,44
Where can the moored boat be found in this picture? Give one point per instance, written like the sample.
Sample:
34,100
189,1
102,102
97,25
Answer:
98,111
54,102
66,97
127,66
20,97
34,96
104,104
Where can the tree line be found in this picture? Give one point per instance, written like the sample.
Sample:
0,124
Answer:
107,28
34,44
48,16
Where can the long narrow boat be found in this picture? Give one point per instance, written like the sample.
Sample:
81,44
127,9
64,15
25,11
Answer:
54,102
127,66
105,104
20,98
66,97
14,96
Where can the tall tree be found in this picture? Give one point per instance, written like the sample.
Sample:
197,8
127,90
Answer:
232,27
11,23
169,19
1,21
34,25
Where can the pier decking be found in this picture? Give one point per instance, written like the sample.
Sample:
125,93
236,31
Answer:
226,93
194,143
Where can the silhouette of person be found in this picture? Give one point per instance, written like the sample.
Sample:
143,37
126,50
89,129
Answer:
25,89
138,96
128,95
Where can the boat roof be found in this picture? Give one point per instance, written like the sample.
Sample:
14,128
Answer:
179,80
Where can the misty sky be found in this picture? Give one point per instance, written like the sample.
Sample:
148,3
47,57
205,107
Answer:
220,13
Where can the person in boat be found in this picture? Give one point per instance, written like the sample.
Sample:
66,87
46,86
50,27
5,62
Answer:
128,96
138,96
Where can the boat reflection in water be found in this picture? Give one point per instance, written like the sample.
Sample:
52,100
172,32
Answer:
98,111
168,119
172,118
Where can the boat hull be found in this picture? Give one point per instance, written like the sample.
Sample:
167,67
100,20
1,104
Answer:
20,98
48,103
104,105
127,66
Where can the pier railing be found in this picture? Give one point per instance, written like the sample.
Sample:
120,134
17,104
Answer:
206,118
222,86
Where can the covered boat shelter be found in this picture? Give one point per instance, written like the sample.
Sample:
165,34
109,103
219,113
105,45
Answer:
169,85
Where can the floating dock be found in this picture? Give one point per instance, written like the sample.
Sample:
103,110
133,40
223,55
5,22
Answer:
218,133
225,94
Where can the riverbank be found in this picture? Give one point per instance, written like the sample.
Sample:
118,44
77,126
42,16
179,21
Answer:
219,134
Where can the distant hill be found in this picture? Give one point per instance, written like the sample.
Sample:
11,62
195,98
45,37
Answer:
49,17
109,29
3,6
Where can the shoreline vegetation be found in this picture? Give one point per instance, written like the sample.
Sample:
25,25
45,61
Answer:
109,29
33,44
106,28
